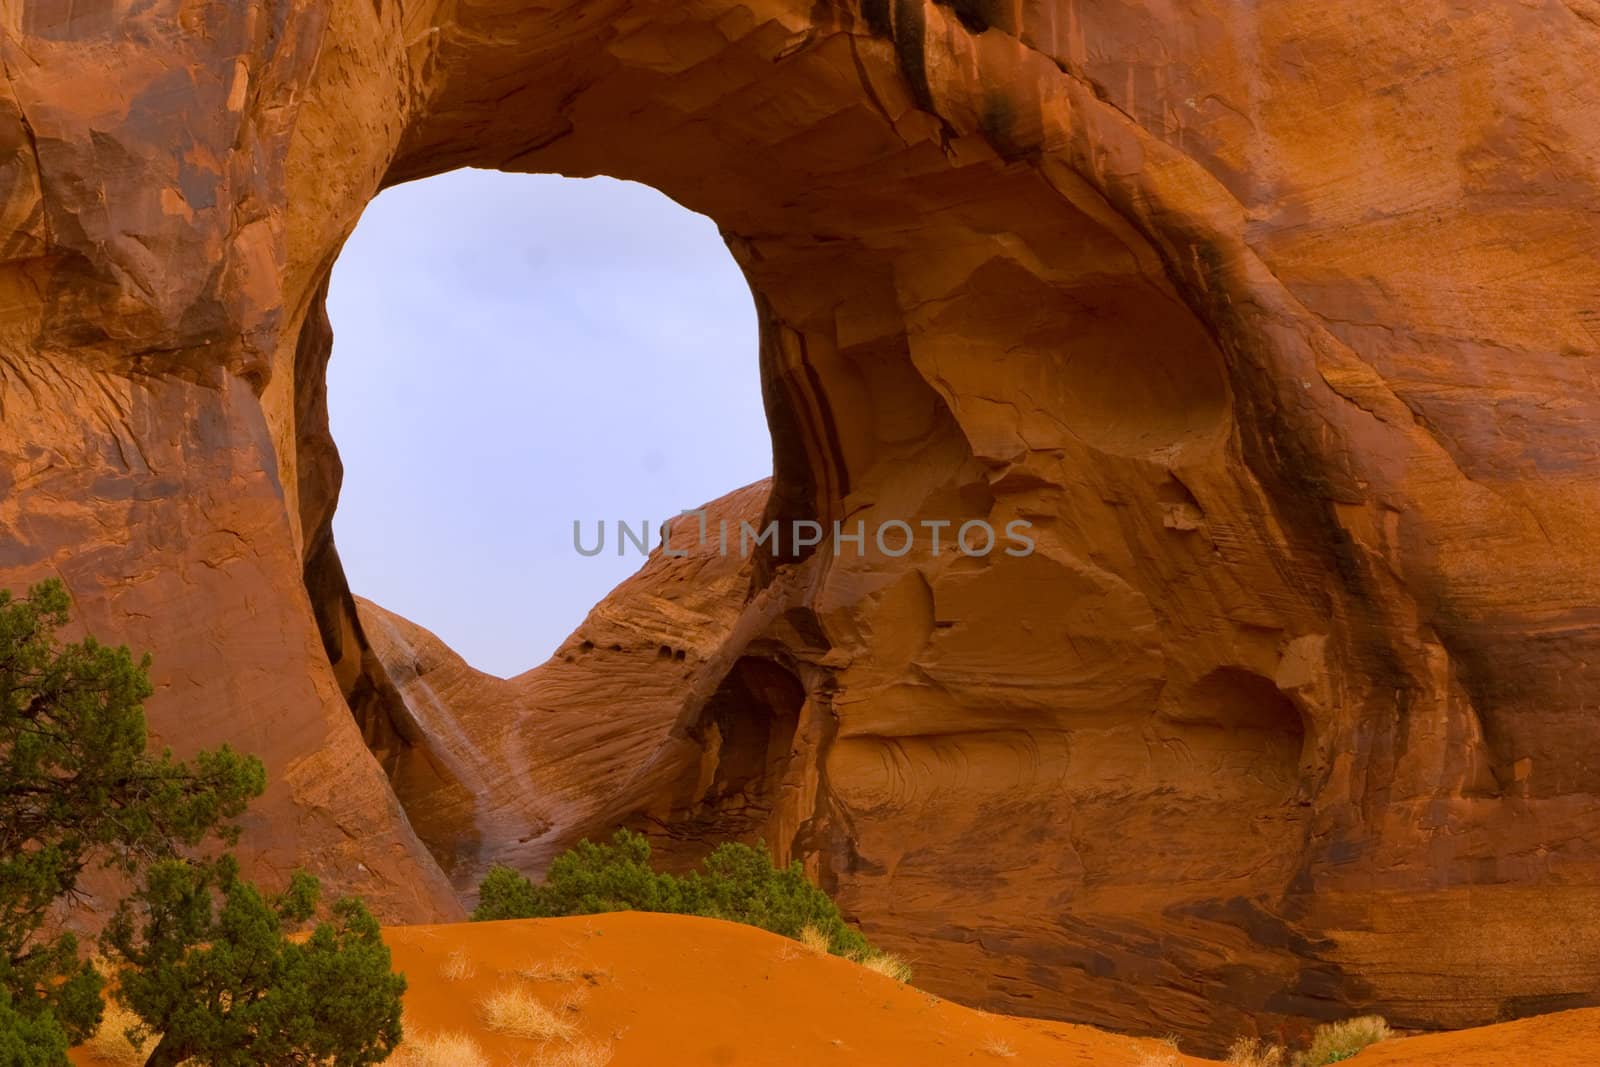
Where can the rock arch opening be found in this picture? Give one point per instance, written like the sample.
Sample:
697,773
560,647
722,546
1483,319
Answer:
514,354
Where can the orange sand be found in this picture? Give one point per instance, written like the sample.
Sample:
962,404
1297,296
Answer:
1564,1039
675,991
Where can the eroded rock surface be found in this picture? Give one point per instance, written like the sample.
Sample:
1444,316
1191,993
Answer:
1277,323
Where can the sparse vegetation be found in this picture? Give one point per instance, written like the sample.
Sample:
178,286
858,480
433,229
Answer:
1255,1052
815,939
457,967
736,882
1337,1042
582,1054
447,1049
518,1013
1165,1056
553,971
890,966
996,1046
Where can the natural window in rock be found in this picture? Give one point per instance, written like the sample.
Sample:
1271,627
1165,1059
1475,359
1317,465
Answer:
515,352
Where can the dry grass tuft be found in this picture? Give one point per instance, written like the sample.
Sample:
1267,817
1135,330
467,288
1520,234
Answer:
553,971
520,1014
1337,1042
110,1042
1161,1057
890,966
582,1054
814,939
1254,1052
438,1050
996,1046
458,968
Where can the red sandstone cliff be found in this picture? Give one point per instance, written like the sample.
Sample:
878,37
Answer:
1275,320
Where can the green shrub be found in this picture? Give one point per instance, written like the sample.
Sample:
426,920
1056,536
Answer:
741,884
736,882
587,880
208,966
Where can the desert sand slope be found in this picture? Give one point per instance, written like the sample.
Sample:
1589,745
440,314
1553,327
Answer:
1563,1039
675,991
635,990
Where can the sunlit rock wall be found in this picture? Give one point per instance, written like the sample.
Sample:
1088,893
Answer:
1274,322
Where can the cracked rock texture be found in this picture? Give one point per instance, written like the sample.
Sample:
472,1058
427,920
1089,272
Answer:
1277,321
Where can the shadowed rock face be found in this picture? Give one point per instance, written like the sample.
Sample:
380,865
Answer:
1276,322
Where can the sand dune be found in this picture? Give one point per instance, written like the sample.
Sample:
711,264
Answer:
634,990
675,991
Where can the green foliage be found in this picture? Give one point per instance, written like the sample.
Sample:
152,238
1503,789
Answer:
34,1040
587,880
76,784
741,884
737,883
204,958
208,966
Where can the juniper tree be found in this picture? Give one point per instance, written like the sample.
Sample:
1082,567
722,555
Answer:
77,786
207,965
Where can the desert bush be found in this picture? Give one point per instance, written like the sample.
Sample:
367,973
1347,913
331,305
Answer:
207,963
555,971
580,1054
518,1013
1166,1055
1336,1042
1254,1052
457,967
888,965
447,1049
815,940
736,882
586,880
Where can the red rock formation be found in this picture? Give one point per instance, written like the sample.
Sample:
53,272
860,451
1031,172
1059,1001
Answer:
1274,321
514,770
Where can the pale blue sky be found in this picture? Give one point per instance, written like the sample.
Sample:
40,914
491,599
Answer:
512,352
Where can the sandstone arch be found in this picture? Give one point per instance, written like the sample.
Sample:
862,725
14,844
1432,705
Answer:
1353,463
